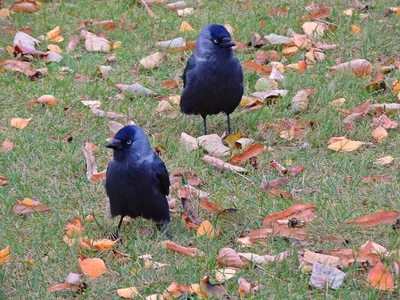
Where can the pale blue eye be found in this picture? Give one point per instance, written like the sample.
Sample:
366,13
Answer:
216,41
129,142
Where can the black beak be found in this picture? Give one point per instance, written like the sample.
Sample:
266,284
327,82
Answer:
115,144
227,43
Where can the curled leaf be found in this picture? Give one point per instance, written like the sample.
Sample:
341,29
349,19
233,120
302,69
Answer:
229,258
192,252
359,67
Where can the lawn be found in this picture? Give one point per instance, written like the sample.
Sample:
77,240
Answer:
47,162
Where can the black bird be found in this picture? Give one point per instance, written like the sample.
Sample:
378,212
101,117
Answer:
137,181
213,77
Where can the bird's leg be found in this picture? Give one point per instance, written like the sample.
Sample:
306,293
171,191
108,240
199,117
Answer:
116,233
229,124
164,227
205,124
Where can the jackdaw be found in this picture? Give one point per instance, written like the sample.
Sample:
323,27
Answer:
213,77
137,181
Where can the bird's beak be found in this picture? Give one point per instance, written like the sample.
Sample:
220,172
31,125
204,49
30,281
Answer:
227,43
115,144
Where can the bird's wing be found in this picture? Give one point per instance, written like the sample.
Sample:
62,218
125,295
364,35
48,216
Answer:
160,170
191,64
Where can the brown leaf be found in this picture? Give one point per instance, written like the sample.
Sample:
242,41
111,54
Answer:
175,5
12,65
281,169
275,193
274,183
267,232
320,13
296,170
382,217
376,178
358,112
24,6
97,44
74,227
387,160
220,164
251,151
255,67
154,60
209,290
211,207
298,211
386,107
4,255
380,134
228,257
185,176
385,122
359,67
279,12
73,42
63,287
207,229
380,278
19,122
349,257
192,252
185,26
91,167
300,100
3,180
171,84
27,206
92,267
45,99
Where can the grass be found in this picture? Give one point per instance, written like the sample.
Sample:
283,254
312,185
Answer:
44,166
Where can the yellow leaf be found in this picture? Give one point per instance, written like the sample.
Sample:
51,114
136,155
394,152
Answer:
345,145
355,29
128,293
185,26
206,228
4,255
19,122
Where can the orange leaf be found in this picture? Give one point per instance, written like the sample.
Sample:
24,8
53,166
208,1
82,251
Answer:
4,255
382,217
19,122
229,258
211,207
379,134
93,267
3,180
185,26
63,287
220,164
170,84
128,293
24,6
98,177
253,150
380,278
302,66
289,51
255,67
182,250
45,99
104,245
298,211
355,29
376,178
207,229
74,227
28,206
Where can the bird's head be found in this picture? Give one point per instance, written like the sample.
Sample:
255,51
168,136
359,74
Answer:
214,38
127,138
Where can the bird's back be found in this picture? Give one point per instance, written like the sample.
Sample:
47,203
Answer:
212,85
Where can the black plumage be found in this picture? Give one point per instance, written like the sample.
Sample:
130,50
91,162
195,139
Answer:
137,180
213,77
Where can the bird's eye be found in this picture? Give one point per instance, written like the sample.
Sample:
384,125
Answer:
129,142
216,41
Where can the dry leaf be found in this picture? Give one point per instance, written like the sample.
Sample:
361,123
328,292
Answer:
182,250
267,232
212,143
97,44
136,88
27,206
220,164
189,141
383,217
175,5
274,39
186,11
229,258
387,160
92,267
3,180
359,67
385,122
45,99
4,255
74,227
386,107
91,167
164,108
264,259
63,287
7,145
154,60
24,6
274,183
325,276
103,245
209,290
93,104
314,29
73,42
298,211
19,122
211,207
207,229
175,43
337,103
380,278
222,275
185,26
355,29
345,145
255,67
128,293
171,85
253,150
54,35
380,134
300,100
310,258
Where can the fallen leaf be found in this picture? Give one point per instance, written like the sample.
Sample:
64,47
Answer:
4,255
211,207
359,67
274,183
54,35
135,88
185,26
128,293
97,44
267,232
207,229
229,258
264,259
12,65
103,245
345,145
192,252
212,143
251,151
289,51
92,104
383,217
3,181
387,160
7,145
274,39
91,167
220,164
73,278
300,100
175,43
92,267
222,275
63,287
74,227
386,107
356,29
298,211
45,99
186,11
27,206
171,84
19,122
24,6
314,29
385,122
164,108
380,134
154,60
255,67
189,141
102,71
325,276
279,12
358,112
175,5
380,278
73,42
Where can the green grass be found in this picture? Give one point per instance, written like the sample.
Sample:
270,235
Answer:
45,167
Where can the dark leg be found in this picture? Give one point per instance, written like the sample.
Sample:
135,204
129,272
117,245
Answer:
229,124
164,227
116,234
205,124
